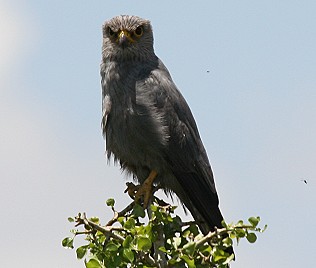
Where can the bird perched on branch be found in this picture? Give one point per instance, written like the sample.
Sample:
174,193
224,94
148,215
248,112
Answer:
148,126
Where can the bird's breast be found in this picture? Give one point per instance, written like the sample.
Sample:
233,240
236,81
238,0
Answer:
135,138
136,132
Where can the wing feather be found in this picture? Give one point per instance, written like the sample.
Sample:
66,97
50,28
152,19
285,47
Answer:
185,152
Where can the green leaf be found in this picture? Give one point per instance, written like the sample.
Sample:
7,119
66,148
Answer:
163,249
205,249
81,251
189,262
176,242
194,230
93,264
240,232
64,243
68,242
112,246
143,243
189,248
219,254
128,254
169,218
129,224
227,242
95,220
147,230
121,220
251,237
186,232
254,221
157,215
153,207
138,211
127,242
117,261
229,259
172,262
70,219
110,202
177,223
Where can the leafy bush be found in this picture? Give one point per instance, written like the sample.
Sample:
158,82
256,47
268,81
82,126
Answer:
128,240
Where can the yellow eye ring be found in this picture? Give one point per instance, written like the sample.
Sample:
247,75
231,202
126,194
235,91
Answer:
139,31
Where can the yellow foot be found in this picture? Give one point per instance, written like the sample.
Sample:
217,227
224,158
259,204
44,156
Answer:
146,189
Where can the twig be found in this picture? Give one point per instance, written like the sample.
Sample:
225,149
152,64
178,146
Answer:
120,214
220,232
83,232
160,257
107,231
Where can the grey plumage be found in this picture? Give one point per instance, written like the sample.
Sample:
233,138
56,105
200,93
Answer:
147,122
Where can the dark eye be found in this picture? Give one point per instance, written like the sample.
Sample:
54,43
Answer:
111,32
139,31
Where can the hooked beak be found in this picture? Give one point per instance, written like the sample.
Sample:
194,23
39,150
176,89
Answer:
124,37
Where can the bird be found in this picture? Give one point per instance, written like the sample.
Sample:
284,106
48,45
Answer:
147,124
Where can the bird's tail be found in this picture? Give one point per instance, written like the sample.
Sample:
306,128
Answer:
208,224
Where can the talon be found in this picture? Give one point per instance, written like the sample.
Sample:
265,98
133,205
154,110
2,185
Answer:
146,189
131,189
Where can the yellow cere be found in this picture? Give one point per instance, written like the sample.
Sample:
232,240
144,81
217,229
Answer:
127,34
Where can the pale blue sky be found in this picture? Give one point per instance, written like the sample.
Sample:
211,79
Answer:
255,108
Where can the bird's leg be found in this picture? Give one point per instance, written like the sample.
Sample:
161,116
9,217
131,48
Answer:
146,188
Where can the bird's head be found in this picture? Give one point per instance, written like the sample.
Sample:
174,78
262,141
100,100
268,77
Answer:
127,37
